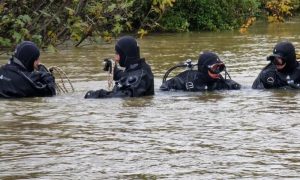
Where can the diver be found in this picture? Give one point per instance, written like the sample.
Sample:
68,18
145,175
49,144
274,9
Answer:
206,77
24,76
283,71
137,78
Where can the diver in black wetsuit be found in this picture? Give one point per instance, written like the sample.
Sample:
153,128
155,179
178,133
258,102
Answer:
283,71
207,77
137,78
24,76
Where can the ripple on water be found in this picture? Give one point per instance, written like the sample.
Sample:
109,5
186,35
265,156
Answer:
172,135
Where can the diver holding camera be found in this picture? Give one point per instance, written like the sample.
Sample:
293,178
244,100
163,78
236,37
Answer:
207,77
24,76
137,78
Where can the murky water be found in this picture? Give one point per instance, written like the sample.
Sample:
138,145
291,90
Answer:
251,134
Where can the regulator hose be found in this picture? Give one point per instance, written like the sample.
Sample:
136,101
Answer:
188,64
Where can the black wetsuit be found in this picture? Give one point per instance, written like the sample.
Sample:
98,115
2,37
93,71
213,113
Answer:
136,80
193,80
16,81
270,78
287,77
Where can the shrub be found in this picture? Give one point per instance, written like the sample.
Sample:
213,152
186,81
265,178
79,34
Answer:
209,15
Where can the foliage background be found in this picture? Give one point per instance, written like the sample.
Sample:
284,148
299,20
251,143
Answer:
50,23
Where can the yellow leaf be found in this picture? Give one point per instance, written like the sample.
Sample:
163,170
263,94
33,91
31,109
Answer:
142,32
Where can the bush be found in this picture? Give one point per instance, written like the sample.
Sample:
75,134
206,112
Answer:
211,15
279,10
50,23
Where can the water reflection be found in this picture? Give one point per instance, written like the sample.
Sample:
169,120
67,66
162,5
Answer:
172,135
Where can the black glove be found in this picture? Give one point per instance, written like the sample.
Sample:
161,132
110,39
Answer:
42,68
233,85
47,78
107,65
96,94
164,87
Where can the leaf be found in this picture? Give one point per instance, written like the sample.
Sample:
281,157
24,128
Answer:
19,23
57,19
25,32
128,24
118,17
1,8
45,13
117,28
5,42
142,32
37,39
25,18
71,12
17,36
75,36
51,48
111,7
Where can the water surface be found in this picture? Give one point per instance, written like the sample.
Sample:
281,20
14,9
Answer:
251,134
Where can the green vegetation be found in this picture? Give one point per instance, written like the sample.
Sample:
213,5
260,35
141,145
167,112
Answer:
50,23
279,10
211,15
215,15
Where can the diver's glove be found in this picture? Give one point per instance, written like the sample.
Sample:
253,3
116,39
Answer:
233,85
291,83
42,77
108,65
42,68
47,78
164,87
96,94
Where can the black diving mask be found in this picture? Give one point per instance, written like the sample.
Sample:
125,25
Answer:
216,68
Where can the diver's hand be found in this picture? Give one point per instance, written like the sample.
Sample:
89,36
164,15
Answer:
292,84
96,94
233,85
47,78
42,77
42,68
164,87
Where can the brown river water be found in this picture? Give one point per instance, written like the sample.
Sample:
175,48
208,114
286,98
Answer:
245,134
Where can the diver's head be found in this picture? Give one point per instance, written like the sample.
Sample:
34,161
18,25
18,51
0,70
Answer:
284,57
28,54
210,64
128,51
